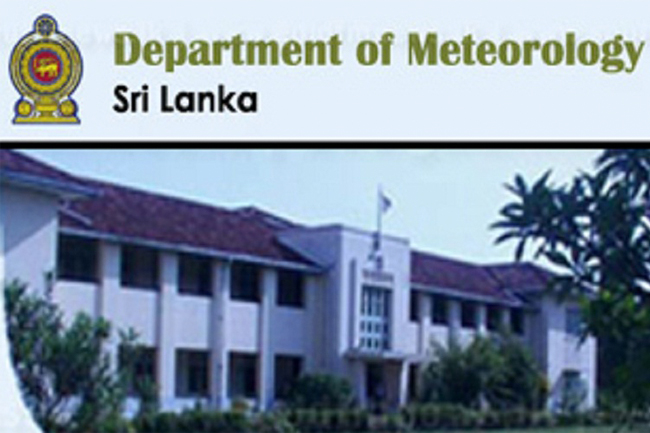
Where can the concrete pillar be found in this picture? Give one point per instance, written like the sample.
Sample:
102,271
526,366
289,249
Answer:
166,329
505,318
454,321
108,296
481,319
314,361
404,383
355,305
266,354
424,322
219,344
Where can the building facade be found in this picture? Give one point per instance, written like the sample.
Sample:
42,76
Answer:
237,303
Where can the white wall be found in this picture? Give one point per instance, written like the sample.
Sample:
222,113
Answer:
76,297
30,221
563,352
193,321
14,415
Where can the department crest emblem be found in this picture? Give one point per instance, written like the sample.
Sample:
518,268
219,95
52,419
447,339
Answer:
45,69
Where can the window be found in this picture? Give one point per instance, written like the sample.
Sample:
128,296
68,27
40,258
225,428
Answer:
493,317
572,381
468,315
194,275
77,259
287,370
140,268
290,289
414,306
245,281
573,322
375,318
139,363
517,321
192,373
574,390
243,375
439,307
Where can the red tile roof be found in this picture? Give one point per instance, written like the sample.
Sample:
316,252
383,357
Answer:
131,213
520,277
444,273
15,163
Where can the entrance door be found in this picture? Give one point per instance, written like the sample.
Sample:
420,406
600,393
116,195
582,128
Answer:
375,387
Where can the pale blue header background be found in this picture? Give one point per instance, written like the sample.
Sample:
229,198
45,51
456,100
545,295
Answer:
351,100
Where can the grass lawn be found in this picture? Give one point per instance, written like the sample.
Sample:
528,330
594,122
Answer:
547,430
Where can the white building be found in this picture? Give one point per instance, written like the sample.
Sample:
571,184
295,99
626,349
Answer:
236,303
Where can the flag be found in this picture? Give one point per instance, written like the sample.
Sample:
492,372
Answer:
384,202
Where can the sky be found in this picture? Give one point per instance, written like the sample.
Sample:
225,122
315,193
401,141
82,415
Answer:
443,201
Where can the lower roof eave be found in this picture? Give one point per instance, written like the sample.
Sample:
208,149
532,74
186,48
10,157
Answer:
389,355
453,293
189,249
50,186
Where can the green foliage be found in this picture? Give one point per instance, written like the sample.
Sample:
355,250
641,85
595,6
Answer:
515,380
273,423
144,388
313,420
320,391
388,423
240,405
445,417
499,371
596,231
455,375
66,378
195,421
430,417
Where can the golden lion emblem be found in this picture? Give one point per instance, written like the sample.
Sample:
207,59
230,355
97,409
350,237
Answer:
47,68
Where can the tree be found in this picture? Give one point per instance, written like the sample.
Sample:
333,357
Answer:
516,381
596,230
456,375
66,378
320,391
497,371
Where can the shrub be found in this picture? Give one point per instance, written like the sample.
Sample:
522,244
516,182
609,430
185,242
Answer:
320,391
390,423
273,423
312,420
195,421
240,405
514,379
305,420
436,417
115,424
491,420
498,370
453,377
541,419
67,380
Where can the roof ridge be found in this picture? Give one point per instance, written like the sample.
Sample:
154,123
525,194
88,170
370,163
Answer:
171,197
20,167
37,162
447,258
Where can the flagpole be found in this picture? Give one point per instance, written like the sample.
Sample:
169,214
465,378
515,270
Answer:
380,211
